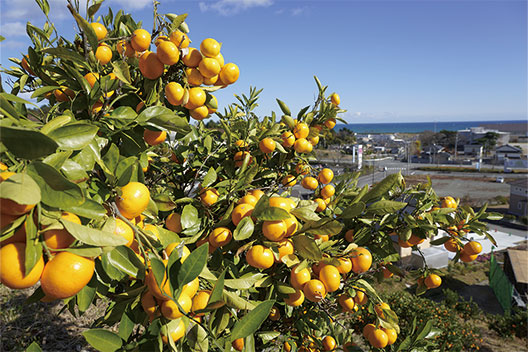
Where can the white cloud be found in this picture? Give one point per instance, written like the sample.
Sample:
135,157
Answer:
298,11
12,44
12,29
28,10
232,7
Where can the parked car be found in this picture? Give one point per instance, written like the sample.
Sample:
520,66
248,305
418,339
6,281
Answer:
499,179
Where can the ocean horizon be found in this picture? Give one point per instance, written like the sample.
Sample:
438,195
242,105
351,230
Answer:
418,127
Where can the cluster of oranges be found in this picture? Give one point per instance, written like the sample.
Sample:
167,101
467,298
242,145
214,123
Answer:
63,276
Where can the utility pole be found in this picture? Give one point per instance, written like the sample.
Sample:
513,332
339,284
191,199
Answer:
456,146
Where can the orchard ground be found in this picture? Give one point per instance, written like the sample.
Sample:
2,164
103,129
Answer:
56,329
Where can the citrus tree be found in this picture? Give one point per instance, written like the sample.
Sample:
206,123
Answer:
113,189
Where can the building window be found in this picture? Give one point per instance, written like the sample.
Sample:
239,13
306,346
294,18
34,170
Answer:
519,205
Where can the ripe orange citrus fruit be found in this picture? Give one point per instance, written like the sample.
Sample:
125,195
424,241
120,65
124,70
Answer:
193,58
345,265
330,277
180,39
103,54
472,248
150,66
329,343
274,230
63,94
210,47
433,281
295,299
176,331
122,229
154,137
148,303
209,67
168,53
302,145
378,338
58,239
360,298
12,267
209,196
449,202
100,30
173,222
241,211
327,191
140,40
200,301
197,98
300,277
301,130
220,237
170,310
330,123
368,329
452,245
229,73
314,290
288,139
361,260
134,199
325,176
240,157
174,93
335,99
391,335
346,302
199,113
321,205
267,145
289,181
274,314
248,199
349,236
238,344
66,274
260,257
257,193
285,248
309,182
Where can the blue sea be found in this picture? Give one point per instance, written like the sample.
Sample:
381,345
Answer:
418,127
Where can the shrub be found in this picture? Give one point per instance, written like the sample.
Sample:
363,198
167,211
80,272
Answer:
509,325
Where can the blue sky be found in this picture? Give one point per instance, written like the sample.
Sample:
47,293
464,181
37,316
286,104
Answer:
389,60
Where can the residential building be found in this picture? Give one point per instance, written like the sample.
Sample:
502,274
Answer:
471,135
519,197
507,152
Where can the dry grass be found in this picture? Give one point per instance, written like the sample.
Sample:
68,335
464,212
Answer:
21,324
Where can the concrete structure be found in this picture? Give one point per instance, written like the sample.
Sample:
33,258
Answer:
470,136
472,149
507,152
519,197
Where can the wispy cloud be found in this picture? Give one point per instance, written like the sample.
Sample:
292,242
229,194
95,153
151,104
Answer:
12,29
297,11
30,11
232,7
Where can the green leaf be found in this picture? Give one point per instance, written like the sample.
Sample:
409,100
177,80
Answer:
15,98
425,330
103,340
385,207
209,178
244,282
67,54
56,190
193,265
353,210
123,258
306,213
20,188
27,144
234,300
382,188
285,109
91,236
126,327
272,214
43,90
324,226
252,321
121,71
244,229
85,251
217,292
94,8
90,209
74,136
33,246
189,217
160,116
307,248
86,28
34,347
440,241
87,294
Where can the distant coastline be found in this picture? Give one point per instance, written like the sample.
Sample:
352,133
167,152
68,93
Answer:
514,126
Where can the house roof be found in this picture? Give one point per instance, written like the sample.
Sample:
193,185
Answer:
508,149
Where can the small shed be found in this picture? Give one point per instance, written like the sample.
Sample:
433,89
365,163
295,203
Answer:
516,266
